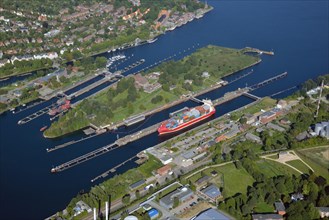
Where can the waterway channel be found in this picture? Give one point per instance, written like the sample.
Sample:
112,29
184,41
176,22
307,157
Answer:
297,31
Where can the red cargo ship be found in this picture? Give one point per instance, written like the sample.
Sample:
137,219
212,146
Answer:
187,117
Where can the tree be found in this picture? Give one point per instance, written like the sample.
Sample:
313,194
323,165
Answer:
126,199
100,62
245,209
243,120
137,194
238,164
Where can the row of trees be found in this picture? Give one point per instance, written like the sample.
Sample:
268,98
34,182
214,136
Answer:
24,66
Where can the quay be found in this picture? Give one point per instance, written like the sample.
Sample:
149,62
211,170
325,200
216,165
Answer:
102,150
97,132
113,169
136,64
134,119
37,114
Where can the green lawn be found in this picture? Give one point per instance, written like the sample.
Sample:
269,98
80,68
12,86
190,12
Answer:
152,164
168,190
299,165
263,207
235,180
274,157
272,168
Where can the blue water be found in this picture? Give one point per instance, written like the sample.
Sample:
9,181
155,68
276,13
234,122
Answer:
297,31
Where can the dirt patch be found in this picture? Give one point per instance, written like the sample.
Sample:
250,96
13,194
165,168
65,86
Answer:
325,154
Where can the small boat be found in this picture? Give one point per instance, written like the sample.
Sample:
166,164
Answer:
43,128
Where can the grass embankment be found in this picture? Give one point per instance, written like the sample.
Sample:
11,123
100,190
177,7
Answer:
299,165
106,109
272,168
316,158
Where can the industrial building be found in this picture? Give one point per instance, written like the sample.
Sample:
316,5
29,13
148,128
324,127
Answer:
322,129
211,193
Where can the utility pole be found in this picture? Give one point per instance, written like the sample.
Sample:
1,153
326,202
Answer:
319,100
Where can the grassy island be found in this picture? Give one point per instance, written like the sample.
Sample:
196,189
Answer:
154,88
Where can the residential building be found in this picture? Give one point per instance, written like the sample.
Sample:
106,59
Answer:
282,104
252,137
275,127
140,81
250,118
267,117
183,194
324,211
166,159
279,208
4,62
205,75
297,196
80,207
202,181
164,170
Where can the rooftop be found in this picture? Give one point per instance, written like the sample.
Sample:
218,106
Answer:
212,191
202,180
211,214
266,216
181,193
279,206
137,184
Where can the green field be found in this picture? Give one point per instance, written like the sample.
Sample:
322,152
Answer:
272,168
309,157
274,157
263,207
231,177
299,165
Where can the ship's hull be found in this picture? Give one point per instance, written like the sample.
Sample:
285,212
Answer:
163,130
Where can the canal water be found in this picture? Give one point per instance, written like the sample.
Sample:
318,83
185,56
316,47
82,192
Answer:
297,31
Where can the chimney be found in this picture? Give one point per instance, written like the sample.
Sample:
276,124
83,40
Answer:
95,217
106,210
99,209
109,207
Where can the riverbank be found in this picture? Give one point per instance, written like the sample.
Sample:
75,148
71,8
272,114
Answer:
196,74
